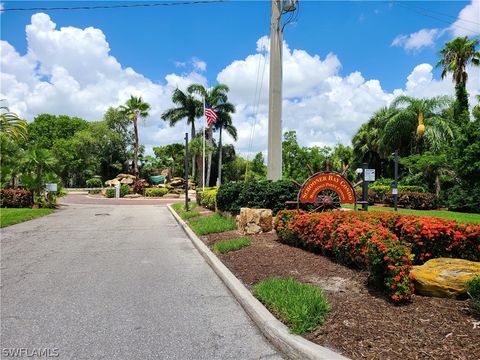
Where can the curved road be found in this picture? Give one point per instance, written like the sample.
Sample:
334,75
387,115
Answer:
117,282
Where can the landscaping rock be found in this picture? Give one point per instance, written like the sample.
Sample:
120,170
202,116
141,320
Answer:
254,221
444,277
127,180
113,182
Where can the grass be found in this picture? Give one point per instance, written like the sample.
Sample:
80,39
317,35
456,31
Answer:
14,216
180,206
212,224
225,246
450,215
185,215
302,307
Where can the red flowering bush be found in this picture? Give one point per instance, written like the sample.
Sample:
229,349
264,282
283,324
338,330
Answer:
353,242
16,198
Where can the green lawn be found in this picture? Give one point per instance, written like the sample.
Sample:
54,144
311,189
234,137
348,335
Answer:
450,215
14,216
225,246
179,207
302,307
212,224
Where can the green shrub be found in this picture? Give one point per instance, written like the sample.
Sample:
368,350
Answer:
414,200
225,246
464,198
303,307
155,192
93,192
47,200
473,289
207,198
255,194
110,192
94,183
383,191
16,198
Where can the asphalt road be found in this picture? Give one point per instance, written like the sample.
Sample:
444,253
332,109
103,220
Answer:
117,282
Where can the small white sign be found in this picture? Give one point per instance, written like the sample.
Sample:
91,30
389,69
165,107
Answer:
369,174
395,191
51,187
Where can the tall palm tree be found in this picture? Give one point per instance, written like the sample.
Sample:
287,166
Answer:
217,97
417,121
12,125
188,107
224,122
456,56
134,108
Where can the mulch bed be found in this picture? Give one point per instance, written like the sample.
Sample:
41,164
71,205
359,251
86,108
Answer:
362,324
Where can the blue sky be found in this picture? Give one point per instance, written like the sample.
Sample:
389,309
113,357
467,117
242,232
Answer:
381,40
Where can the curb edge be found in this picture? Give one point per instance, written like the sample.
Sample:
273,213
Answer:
293,346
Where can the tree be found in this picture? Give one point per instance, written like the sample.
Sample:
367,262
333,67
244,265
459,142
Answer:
456,56
46,129
134,108
38,167
417,120
188,107
258,167
217,97
173,156
224,122
12,125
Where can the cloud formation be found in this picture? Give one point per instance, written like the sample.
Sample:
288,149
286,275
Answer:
70,71
468,22
417,40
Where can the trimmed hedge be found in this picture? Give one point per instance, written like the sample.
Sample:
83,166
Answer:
155,192
352,242
414,200
207,198
94,183
255,194
473,289
16,198
124,190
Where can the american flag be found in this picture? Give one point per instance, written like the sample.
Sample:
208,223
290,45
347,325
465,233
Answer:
209,114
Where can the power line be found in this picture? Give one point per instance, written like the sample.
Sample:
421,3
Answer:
446,15
98,7
437,18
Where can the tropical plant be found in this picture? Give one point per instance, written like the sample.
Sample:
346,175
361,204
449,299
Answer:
38,167
217,97
417,120
12,125
456,56
134,108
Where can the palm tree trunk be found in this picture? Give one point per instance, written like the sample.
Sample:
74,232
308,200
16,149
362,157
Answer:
135,146
193,167
437,185
219,179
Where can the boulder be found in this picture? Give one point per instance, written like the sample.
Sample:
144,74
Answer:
254,221
112,182
127,180
444,277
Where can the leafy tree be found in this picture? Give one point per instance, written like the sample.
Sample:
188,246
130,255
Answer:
134,108
10,156
456,56
46,128
257,166
38,167
172,156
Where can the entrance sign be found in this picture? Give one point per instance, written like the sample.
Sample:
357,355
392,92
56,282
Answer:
319,183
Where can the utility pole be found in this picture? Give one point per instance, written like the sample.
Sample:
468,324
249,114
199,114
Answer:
274,160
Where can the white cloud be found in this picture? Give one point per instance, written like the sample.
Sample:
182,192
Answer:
199,65
417,40
468,22
70,71
323,106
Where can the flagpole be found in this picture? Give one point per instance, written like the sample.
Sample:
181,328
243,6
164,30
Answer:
203,158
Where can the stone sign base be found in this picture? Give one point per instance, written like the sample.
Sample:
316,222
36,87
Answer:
254,221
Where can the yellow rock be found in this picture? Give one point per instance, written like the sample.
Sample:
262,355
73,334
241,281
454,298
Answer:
444,277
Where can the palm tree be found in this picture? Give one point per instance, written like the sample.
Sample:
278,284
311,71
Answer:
217,97
224,122
456,56
134,108
406,129
11,124
188,107
37,166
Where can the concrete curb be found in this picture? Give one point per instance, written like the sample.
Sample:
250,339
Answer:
293,346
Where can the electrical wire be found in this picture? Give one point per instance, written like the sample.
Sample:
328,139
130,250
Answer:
476,32
443,14
97,7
